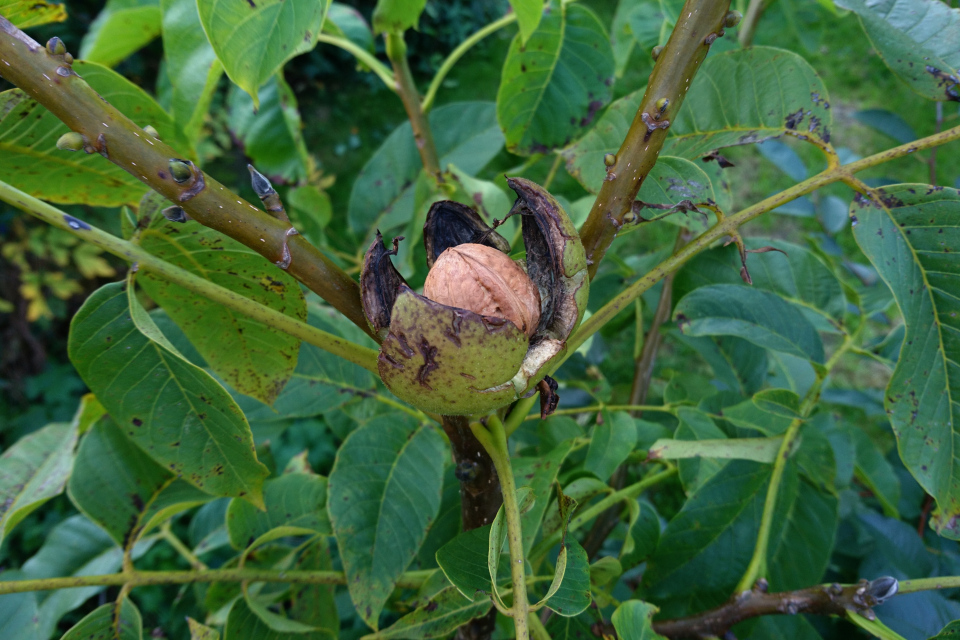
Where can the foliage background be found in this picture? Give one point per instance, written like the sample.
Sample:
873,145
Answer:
347,113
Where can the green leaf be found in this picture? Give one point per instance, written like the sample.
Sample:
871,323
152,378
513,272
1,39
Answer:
575,628
172,409
779,402
604,571
552,86
280,29
621,36
746,96
294,501
752,415
643,534
874,627
29,154
873,470
763,318
466,135
439,617
887,123
122,489
528,16
117,621
781,628
581,490
310,212
314,603
271,133
696,425
919,41
201,632
34,470
572,595
346,22
384,492
251,356
192,66
801,540
30,13
912,241
756,449
738,364
244,624
464,561
720,519
611,443
75,547
121,28
797,274
19,617
634,619
397,15
539,475
949,632
321,382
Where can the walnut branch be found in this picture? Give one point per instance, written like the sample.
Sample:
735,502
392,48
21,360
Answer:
46,77
700,23
825,599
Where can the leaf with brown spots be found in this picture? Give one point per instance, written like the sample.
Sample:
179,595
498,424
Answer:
138,375
122,489
252,357
910,235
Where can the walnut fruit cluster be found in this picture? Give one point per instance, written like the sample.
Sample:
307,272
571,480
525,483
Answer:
487,327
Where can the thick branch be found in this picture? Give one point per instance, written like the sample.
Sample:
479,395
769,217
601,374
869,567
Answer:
422,135
700,23
824,599
48,79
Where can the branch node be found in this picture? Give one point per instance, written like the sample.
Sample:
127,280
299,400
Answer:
267,194
102,146
285,257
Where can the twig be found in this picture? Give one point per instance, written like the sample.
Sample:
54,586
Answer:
363,56
731,223
136,578
700,23
826,599
458,53
407,89
495,442
167,534
25,63
362,356
749,25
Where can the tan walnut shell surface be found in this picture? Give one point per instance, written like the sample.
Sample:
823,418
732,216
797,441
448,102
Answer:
485,281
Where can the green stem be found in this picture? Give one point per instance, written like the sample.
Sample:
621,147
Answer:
407,89
552,173
362,356
926,584
167,534
363,56
520,413
730,225
537,630
758,563
664,408
591,512
495,442
409,580
458,53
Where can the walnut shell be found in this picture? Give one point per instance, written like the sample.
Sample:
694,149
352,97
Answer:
486,281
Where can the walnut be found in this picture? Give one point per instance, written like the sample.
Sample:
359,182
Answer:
486,281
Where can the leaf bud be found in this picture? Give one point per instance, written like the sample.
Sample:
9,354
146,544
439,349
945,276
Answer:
56,47
486,281
655,53
610,159
733,19
180,170
662,104
71,141
149,130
